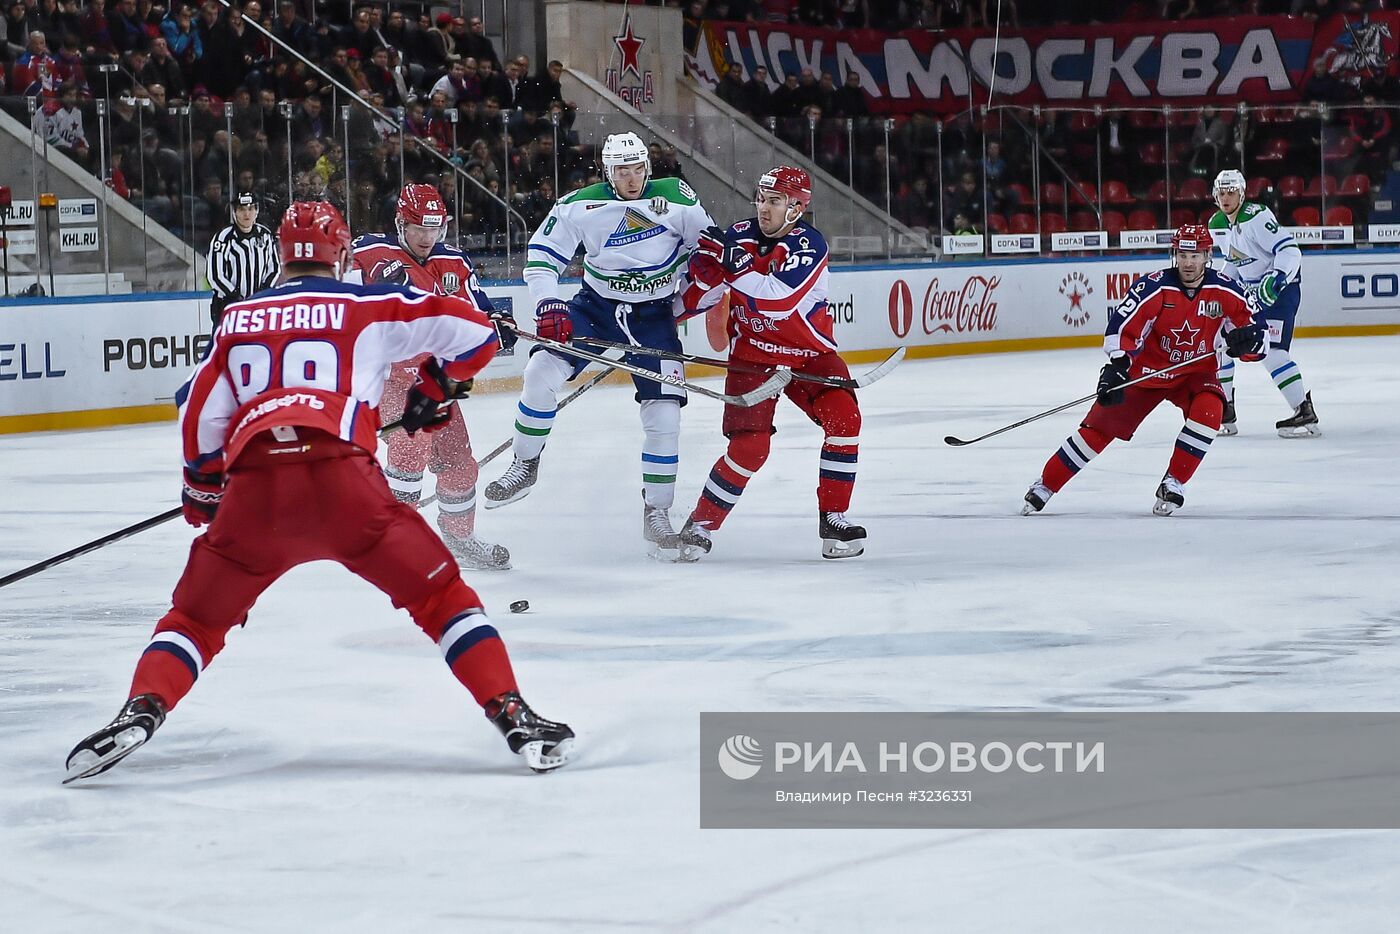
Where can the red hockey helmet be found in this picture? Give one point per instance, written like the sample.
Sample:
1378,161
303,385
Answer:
793,182
314,232
422,206
1192,238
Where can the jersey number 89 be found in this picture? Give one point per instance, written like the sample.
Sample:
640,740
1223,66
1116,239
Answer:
305,364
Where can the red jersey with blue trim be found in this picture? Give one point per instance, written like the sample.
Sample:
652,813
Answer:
446,271
777,307
314,352
1162,323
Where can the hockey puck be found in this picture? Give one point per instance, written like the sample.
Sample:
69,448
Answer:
520,606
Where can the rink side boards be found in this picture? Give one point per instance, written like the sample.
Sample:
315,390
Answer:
68,363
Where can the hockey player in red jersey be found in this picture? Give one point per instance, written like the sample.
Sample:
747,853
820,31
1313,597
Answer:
775,268
417,257
1169,317
280,426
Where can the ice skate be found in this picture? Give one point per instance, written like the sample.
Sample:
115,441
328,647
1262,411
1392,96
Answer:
1036,497
476,555
514,484
841,538
128,731
1302,423
663,542
695,540
1228,428
546,745
1170,496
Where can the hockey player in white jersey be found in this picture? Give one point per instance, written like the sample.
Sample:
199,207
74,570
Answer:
1265,259
637,234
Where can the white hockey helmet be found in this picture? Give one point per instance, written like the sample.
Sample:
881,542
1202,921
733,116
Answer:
624,149
1228,180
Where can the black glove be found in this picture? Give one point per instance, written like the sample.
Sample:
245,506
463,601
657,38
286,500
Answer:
1246,340
1111,379
505,329
425,409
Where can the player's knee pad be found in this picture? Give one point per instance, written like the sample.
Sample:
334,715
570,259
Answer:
409,452
837,411
208,639
661,417
1207,409
749,449
433,612
1097,440
545,376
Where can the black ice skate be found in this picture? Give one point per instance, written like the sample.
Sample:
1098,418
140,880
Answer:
127,732
1302,423
663,542
1036,497
695,540
477,555
514,484
1228,428
841,538
546,745
1170,496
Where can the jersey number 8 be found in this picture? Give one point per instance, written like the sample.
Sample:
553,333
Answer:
305,364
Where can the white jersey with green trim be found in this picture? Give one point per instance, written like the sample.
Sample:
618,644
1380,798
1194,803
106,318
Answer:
634,251
1255,245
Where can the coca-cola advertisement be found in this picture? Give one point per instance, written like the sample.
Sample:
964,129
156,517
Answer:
948,303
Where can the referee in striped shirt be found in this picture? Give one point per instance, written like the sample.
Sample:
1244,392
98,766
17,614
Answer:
242,257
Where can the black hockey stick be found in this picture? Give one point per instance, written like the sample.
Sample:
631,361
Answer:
858,382
770,388
120,534
958,442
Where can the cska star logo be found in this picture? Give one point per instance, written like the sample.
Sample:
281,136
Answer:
1185,336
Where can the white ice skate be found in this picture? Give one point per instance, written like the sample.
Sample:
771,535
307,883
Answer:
1036,497
1170,496
477,555
515,483
662,541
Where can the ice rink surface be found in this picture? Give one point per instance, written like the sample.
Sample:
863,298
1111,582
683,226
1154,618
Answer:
328,773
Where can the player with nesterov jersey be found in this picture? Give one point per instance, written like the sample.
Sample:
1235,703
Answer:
418,257
1169,317
1266,260
775,269
279,425
637,234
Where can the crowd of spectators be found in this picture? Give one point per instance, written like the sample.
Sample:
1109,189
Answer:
465,109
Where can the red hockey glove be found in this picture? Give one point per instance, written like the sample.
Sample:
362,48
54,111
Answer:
199,500
552,320
707,262
424,409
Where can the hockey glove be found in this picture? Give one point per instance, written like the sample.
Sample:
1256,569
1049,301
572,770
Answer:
199,500
425,410
1112,378
1270,287
737,261
505,329
707,262
1246,341
552,320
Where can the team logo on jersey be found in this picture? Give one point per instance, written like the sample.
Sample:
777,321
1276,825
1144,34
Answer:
660,205
1185,336
1076,288
634,228
450,283
1211,310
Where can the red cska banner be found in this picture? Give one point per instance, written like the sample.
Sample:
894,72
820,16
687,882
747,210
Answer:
1210,61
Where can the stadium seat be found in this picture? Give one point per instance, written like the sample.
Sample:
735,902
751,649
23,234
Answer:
1255,187
1207,214
1339,216
1090,196
1116,193
1145,120
1182,216
996,224
1290,187
1052,195
1320,185
1152,154
1354,186
1193,190
1275,150
1083,122
1158,191
1142,219
1338,147
1114,222
1052,223
1019,193
1306,217
1022,223
1083,220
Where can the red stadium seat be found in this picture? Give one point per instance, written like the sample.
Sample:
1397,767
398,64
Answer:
1320,185
1052,223
1255,187
1083,220
1083,122
1116,193
1182,217
1193,190
996,224
1152,154
1339,147
1114,222
1158,191
1339,216
1022,223
1052,195
1290,187
1354,186
1145,120
1142,219
1090,196
1207,214
1019,193
1306,217
1275,150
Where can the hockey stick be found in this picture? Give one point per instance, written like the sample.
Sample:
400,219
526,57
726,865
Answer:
118,535
501,448
770,388
958,442
858,382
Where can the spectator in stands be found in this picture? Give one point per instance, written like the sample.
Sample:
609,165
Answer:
397,34
994,166
96,35
292,30
359,36
63,126
70,66
403,78
309,122
228,53
127,30
850,99
441,47
1322,87
787,101
1371,127
36,71
380,78
478,46
204,122
470,125
1209,138
182,38
338,68
544,87
966,198
731,90
453,85
161,68
808,91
